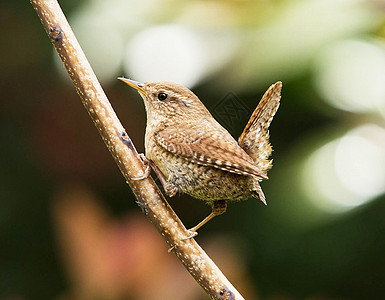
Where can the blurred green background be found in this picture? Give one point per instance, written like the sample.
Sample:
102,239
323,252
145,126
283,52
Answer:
69,225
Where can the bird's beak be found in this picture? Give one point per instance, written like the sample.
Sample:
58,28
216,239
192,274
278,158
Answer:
135,84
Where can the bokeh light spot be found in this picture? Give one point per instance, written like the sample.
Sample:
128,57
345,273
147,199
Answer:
101,43
351,75
348,171
169,52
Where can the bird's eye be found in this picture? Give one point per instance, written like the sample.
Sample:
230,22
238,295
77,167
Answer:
162,96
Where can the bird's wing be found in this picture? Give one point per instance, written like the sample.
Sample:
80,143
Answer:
255,137
208,144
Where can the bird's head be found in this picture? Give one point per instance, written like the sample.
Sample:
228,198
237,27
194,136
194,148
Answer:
168,100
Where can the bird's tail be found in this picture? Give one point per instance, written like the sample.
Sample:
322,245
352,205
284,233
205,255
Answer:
255,137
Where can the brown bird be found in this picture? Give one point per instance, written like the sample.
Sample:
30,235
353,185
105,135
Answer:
192,153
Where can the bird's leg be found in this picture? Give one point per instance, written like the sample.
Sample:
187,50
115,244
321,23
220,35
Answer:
218,208
146,172
168,187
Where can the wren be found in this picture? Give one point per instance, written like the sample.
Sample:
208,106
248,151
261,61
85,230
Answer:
192,153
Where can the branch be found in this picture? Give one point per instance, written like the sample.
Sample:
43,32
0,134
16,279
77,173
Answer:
150,199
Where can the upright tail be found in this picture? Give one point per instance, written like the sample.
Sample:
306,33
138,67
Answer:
255,137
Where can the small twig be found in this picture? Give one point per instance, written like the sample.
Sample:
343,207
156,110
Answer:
149,198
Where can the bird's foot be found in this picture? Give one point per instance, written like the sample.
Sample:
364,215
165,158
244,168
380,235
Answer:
146,172
190,234
170,188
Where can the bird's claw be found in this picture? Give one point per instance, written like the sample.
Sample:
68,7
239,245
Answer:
191,234
146,172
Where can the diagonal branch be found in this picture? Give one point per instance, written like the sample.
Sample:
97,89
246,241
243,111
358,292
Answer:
153,203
